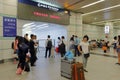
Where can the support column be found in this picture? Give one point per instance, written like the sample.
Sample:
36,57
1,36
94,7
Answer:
75,27
79,27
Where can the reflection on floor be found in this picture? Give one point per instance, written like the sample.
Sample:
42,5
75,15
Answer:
109,53
99,68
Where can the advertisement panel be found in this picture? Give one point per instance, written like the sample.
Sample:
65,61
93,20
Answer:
9,27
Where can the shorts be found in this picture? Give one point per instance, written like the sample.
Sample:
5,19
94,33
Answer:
114,47
118,50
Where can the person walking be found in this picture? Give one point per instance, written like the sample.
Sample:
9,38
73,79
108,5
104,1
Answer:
62,46
32,51
115,44
48,45
84,49
118,50
22,50
15,46
76,41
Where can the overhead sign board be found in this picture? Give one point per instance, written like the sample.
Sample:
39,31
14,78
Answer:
30,10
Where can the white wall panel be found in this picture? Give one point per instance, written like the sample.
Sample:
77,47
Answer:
9,2
7,8
10,10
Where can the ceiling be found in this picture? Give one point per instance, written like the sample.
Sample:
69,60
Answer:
98,14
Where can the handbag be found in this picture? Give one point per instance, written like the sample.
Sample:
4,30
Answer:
87,55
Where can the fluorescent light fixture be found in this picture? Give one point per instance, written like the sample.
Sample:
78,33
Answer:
28,24
41,25
101,10
115,21
93,3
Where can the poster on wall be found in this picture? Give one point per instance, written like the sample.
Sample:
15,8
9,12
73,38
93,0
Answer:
9,27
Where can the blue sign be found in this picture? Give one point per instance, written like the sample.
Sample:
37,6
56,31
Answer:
9,27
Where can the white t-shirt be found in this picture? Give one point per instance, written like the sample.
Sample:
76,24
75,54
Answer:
85,47
115,41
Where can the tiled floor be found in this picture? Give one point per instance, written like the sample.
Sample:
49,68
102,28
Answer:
99,68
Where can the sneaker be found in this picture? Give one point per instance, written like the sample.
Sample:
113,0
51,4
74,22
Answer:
33,65
85,70
117,63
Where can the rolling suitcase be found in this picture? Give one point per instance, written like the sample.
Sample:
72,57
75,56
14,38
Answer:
78,71
66,68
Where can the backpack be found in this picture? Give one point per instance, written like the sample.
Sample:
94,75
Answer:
24,47
49,44
12,45
62,47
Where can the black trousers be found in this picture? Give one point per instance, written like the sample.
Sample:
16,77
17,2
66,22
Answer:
48,49
33,57
76,51
21,62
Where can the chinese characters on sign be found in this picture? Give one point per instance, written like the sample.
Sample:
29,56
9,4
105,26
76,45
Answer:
46,15
106,30
9,27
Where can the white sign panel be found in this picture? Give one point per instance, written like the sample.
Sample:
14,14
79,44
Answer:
107,29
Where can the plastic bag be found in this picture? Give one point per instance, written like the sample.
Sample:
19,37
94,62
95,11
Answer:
69,55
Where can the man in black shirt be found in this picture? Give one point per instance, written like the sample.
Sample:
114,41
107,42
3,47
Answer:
32,51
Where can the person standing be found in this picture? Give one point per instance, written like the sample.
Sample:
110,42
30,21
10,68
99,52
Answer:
32,50
36,44
22,50
118,50
26,39
115,44
84,49
58,45
15,46
48,45
76,45
72,38
62,46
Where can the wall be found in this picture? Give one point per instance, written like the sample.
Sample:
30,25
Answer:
7,8
97,32
117,30
94,32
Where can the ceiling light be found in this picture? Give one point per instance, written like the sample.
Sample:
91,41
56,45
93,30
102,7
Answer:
28,24
66,11
41,25
101,10
93,3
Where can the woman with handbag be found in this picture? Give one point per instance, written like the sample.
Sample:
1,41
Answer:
23,49
83,48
